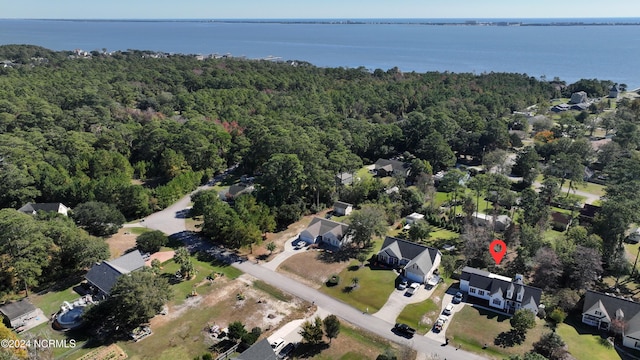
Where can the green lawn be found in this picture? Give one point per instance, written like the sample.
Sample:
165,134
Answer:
412,315
351,344
51,301
551,236
471,328
592,188
364,173
375,286
44,331
183,289
138,230
583,344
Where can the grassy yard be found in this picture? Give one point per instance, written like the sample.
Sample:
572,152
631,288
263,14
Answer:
50,302
363,173
183,289
413,314
45,332
551,236
471,328
582,343
374,287
138,230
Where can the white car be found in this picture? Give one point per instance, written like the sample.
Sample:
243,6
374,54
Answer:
277,345
413,288
448,309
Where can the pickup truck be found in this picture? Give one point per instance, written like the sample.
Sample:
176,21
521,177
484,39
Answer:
404,330
412,289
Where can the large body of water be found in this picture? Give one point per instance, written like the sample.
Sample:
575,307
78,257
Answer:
608,52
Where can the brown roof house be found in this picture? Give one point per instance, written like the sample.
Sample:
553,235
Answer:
327,231
604,311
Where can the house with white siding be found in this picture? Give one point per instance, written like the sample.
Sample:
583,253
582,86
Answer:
501,292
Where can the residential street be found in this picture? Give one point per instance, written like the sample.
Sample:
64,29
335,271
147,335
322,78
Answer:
371,323
171,221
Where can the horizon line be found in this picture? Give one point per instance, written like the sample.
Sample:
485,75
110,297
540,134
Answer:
332,18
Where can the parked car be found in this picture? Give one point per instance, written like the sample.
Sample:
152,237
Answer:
403,330
413,288
284,353
448,309
278,344
439,323
403,285
457,298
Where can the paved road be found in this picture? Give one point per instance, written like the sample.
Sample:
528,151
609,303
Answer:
590,198
371,323
171,222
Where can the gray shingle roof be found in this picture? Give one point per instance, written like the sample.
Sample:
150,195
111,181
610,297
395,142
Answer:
341,205
105,274
319,226
419,257
390,165
17,309
31,208
610,305
259,351
487,281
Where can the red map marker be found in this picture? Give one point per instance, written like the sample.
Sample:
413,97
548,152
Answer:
497,254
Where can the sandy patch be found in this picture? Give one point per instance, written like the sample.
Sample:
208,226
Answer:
309,269
120,242
162,256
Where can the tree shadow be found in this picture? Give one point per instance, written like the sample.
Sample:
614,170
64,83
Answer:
348,289
353,268
306,351
510,338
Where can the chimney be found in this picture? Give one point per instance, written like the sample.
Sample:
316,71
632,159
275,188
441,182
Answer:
518,279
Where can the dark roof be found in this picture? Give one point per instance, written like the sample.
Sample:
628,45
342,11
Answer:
105,274
17,309
341,205
560,218
259,351
419,256
589,211
34,207
629,310
391,165
495,283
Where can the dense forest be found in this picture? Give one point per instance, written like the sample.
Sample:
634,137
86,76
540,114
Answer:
137,130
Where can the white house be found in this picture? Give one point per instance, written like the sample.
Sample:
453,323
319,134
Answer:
324,230
601,310
33,208
414,217
502,221
342,208
500,292
418,262
19,312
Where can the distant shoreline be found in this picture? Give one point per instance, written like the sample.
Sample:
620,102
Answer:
433,22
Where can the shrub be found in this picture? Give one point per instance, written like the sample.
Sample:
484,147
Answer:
333,280
557,315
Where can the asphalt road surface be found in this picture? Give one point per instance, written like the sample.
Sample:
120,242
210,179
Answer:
352,315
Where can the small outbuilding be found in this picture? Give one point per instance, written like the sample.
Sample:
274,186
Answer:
414,217
342,208
18,313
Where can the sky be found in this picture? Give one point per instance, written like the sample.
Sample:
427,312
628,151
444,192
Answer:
318,9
